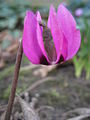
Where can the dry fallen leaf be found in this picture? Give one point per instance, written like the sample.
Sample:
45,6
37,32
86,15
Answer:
2,35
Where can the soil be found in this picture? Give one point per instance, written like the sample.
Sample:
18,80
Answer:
64,93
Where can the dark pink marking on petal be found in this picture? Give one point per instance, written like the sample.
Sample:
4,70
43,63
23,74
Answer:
61,59
44,61
49,44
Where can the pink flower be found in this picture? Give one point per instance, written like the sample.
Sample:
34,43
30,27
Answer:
79,12
56,43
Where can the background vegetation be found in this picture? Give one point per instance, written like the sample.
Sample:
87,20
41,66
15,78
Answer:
67,86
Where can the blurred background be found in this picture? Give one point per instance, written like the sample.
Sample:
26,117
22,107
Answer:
64,87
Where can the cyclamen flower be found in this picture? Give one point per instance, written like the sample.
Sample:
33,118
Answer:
57,42
79,12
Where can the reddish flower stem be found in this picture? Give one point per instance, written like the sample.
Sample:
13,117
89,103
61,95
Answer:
14,82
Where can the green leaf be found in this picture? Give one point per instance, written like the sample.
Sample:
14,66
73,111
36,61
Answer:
88,37
83,52
81,24
3,24
79,64
86,12
12,22
87,68
5,44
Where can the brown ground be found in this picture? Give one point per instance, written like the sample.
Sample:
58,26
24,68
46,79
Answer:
63,91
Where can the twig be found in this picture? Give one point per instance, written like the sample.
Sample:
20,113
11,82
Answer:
80,111
81,117
14,82
45,107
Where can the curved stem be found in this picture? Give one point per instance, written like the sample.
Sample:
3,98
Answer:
14,82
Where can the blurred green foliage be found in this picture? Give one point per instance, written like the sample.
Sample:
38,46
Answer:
12,18
82,59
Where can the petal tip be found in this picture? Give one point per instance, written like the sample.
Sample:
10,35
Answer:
38,16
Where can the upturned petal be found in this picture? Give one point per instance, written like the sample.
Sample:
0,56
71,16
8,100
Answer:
31,46
68,27
56,32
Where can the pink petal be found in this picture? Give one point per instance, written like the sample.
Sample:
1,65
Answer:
56,32
40,41
30,43
40,36
39,19
64,48
38,16
68,26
